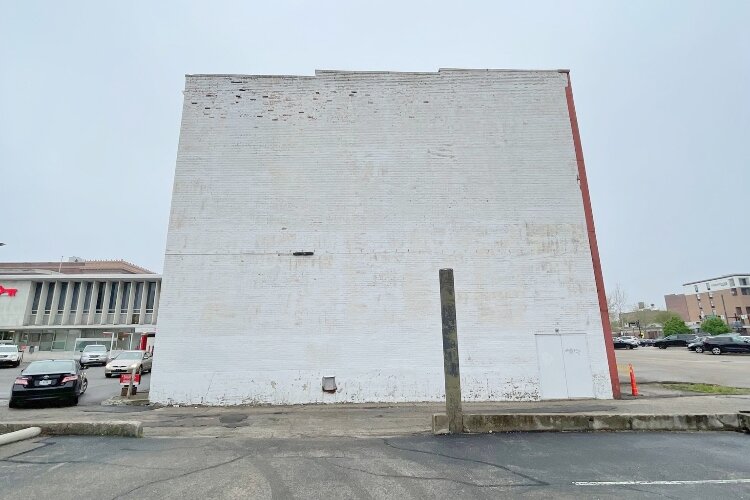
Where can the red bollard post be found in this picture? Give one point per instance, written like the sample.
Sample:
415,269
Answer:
633,384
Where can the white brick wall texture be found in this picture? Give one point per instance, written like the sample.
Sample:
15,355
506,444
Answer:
386,177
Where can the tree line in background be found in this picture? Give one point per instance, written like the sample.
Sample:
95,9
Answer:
671,322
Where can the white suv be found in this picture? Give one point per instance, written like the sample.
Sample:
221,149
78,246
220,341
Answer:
10,355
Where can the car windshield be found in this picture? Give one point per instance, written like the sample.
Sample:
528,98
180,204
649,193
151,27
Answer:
95,348
50,366
8,348
130,355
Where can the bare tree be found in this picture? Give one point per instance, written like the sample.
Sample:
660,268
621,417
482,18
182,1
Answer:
616,300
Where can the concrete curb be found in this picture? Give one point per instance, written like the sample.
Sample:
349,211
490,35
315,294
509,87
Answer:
20,435
562,422
122,428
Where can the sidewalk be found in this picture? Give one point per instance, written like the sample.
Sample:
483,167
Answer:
361,420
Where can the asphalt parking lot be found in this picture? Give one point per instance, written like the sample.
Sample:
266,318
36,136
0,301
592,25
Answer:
677,364
100,387
522,465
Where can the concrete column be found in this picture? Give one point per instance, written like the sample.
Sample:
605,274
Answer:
105,303
42,301
450,353
118,303
156,302
81,301
92,304
53,306
144,300
131,299
67,303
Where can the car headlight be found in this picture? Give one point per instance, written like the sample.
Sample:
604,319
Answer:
13,357
108,367
134,365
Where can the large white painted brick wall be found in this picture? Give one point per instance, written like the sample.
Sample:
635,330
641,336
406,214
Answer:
387,177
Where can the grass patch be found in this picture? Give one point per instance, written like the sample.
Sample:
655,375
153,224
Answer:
706,388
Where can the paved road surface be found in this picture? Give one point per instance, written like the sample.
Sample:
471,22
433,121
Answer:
642,465
677,364
100,387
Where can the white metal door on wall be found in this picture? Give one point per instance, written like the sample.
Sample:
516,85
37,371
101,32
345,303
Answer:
564,366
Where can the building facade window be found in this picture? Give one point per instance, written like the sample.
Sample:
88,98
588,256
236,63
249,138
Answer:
745,291
100,297
151,295
112,296
76,293
734,291
696,288
87,296
50,294
743,281
138,296
37,295
731,281
125,296
63,293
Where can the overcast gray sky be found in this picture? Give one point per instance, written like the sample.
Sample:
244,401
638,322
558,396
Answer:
91,94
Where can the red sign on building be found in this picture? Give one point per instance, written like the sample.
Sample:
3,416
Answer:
10,291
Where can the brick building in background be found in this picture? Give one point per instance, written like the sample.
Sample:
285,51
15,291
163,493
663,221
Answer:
726,296
311,214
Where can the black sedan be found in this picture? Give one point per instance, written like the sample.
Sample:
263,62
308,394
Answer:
676,340
624,343
49,380
726,343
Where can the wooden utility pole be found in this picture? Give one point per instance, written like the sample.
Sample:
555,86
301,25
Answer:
450,353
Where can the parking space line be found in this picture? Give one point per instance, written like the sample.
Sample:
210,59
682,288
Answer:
627,483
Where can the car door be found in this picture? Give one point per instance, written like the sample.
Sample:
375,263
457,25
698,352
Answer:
147,360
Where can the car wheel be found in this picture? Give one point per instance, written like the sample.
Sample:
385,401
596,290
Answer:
716,350
699,349
630,347
662,347
84,386
18,363
108,375
140,370
74,401
13,404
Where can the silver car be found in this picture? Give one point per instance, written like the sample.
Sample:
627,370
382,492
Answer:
127,361
94,355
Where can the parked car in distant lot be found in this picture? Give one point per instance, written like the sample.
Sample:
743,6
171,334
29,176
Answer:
10,355
127,361
625,343
94,354
726,343
647,342
49,380
676,340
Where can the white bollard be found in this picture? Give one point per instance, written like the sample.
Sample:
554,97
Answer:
12,437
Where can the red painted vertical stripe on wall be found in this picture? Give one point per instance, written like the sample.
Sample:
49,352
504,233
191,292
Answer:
598,276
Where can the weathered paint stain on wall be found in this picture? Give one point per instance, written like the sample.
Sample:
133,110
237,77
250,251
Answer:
386,177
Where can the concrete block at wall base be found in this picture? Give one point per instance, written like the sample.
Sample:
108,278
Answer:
123,428
525,422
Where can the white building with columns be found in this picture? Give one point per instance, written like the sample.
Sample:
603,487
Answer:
64,306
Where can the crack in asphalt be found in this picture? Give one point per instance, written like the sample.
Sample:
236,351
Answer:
434,478
535,481
163,480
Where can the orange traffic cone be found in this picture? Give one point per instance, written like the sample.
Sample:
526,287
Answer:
633,384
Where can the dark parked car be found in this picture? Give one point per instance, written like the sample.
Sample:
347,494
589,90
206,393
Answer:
676,340
49,380
726,343
647,342
624,343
